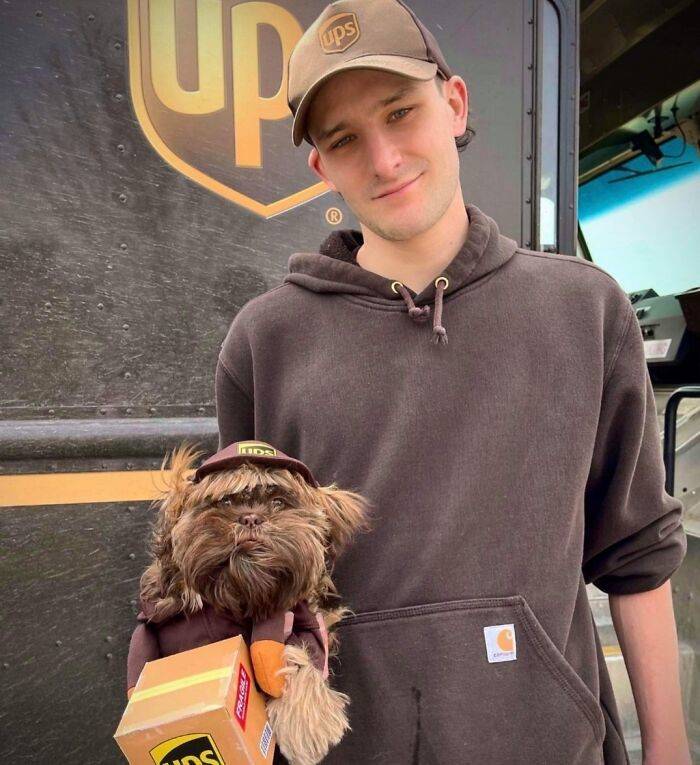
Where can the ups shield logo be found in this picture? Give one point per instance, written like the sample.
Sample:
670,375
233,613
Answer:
208,83
193,749
258,449
339,33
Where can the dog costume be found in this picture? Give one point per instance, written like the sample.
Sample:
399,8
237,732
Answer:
153,638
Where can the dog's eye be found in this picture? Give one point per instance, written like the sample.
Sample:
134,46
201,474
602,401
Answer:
227,500
278,503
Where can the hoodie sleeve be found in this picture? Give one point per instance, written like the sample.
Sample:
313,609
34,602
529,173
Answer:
234,409
234,401
634,539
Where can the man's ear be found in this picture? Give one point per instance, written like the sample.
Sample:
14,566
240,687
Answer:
457,96
316,164
348,513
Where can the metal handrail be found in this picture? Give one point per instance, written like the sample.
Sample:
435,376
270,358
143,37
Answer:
670,416
103,438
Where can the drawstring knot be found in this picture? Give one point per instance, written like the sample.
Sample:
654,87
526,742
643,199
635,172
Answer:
421,313
418,314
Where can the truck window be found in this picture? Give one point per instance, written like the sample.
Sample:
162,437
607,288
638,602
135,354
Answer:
642,223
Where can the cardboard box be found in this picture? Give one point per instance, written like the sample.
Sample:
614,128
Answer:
198,707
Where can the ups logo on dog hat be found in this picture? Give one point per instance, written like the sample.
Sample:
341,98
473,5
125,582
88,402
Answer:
251,451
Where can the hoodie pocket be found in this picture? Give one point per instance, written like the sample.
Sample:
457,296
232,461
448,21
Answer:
424,692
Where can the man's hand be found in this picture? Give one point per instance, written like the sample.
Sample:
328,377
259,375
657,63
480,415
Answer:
646,628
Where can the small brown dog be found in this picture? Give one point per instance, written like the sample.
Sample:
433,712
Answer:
246,546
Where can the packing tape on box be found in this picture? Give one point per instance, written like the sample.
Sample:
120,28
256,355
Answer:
183,682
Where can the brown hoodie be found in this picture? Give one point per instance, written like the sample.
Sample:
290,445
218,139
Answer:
509,467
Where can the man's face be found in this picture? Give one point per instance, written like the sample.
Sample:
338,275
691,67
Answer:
392,130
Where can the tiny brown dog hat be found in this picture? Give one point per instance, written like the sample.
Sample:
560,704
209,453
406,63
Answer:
251,451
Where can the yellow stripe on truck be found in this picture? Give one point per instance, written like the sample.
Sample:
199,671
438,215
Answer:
35,489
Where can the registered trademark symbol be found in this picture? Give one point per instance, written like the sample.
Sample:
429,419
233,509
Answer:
334,216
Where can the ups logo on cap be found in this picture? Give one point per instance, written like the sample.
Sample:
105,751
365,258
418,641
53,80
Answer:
253,447
339,33
194,749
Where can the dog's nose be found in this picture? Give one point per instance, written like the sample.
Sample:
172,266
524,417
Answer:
251,519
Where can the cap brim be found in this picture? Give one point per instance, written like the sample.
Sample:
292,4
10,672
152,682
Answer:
413,68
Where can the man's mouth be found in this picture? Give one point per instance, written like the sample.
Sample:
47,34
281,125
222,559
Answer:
400,190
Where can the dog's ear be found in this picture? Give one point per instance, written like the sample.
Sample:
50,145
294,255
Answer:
161,582
348,513
177,482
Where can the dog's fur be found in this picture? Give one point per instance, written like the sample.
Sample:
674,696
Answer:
309,717
202,552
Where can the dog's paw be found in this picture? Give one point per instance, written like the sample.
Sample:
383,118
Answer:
310,717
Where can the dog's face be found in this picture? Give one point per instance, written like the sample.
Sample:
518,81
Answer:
250,540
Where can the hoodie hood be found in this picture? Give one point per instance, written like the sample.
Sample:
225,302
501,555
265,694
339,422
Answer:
335,269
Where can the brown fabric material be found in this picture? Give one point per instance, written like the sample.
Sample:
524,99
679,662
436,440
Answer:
509,468
153,640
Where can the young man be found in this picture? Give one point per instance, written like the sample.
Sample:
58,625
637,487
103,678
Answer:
508,467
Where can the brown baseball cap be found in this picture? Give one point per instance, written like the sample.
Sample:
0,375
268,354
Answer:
238,452
359,34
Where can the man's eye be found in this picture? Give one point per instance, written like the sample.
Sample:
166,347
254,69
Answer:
398,111
404,109
339,143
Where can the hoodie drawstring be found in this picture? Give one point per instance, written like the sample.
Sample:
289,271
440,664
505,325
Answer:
421,314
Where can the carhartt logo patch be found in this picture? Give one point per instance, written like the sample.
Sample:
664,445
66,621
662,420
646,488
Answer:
500,642
339,33
256,448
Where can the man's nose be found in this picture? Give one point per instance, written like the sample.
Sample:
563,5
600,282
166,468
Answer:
251,519
384,156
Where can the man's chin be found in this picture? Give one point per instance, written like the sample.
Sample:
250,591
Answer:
396,226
